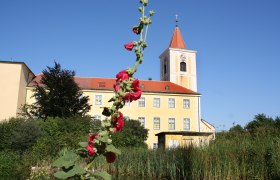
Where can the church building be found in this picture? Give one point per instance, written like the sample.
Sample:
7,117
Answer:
169,108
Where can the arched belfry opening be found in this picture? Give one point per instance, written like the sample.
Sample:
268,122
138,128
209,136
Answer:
183,66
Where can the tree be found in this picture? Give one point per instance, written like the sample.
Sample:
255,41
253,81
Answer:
58,95
236,129
133,135
260,123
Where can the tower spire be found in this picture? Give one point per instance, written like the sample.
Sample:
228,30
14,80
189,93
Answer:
177,40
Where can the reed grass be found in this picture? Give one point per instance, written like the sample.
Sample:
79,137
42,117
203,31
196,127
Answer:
241,157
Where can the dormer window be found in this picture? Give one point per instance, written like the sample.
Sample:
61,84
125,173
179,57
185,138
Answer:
183,67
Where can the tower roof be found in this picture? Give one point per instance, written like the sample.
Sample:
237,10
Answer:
177,40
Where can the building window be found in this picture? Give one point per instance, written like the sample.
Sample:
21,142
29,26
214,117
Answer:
155,145
141,102
98,99
186,124
156,102
171,102
186,103
171,124
156,123
97,118
142,121
183,67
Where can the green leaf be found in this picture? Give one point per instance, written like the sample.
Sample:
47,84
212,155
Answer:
112,148
112,99
76,170
83,144
67,160
106,112
103,138
103,175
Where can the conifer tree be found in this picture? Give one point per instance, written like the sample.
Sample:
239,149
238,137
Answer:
58,95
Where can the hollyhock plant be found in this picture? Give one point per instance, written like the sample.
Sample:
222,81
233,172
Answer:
137,29
129,46
135,85
90,149
119,123
110,157
126,89
117,87
121,76
92,137
133,96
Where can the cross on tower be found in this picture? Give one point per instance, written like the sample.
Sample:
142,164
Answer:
176,20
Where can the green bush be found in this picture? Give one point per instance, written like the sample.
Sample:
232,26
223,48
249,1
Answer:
132,135
19,134
10,165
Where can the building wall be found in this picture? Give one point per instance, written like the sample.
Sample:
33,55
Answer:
25,77
172,140
132,110
9,92
13,79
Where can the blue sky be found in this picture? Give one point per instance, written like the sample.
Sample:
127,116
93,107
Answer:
238,45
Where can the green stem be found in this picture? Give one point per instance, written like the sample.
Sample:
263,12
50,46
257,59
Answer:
146,33
143,14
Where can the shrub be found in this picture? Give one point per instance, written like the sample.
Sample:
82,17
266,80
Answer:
19,134
132,135
9,165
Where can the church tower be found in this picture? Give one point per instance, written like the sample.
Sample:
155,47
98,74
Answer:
178,64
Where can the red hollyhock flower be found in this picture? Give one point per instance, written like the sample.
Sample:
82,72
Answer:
92,137
120,123
129,46
132,96
110,157
136,29
121,76
135,85
117,87
90,149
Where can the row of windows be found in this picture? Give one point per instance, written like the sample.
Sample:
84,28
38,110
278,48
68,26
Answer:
156,102
157,122
171,123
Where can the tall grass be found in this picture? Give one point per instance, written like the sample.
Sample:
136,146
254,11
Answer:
241,157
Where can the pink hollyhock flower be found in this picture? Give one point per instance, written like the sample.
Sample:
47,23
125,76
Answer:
110,157
129,46
136,29
123,75
90,149
117,87
129,97
120,123
92,137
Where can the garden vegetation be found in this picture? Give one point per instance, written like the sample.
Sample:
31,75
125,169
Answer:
252,152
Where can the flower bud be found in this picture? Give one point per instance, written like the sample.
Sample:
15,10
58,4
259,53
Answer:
152,13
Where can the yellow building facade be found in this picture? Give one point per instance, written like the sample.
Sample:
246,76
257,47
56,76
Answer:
169,108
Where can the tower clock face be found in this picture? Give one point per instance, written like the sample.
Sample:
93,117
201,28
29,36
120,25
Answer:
183,57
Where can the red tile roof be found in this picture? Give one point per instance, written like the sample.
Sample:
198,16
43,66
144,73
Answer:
177,40
107,84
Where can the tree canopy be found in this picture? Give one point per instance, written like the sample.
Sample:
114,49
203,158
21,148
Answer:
58,95
133,135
